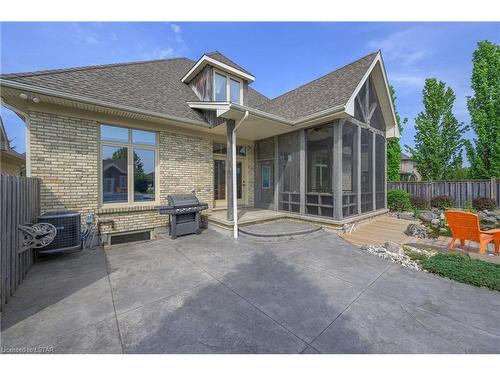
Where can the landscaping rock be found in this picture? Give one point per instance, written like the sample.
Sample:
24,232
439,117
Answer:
435,222
406,215
488,227
387,253
443,232
481,215
393,247
416,230
427,216
490,220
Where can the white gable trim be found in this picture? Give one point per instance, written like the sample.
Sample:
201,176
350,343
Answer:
392,130
208,60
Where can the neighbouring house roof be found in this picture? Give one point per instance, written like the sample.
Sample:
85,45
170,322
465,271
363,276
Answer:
5,145
119,164
405,157
156,86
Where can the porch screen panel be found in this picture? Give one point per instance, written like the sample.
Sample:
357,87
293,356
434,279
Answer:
319,196
379,172
265,149
349,168
377,119
360,104
289,172
366,171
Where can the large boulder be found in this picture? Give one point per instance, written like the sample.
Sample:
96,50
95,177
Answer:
428,216
490,220
416,230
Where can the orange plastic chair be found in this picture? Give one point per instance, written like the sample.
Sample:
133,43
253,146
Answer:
465,226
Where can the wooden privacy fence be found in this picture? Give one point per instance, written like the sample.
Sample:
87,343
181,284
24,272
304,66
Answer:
462,191
19,205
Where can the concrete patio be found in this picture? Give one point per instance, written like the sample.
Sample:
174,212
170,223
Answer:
212,294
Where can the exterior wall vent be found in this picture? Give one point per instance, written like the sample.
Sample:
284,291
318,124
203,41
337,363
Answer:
130,237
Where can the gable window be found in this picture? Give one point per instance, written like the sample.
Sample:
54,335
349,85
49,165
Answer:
227,89
128,165
220,88
235,91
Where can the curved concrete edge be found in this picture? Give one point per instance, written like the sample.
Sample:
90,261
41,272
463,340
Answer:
283,234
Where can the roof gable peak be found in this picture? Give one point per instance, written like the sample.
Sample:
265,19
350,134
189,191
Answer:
218,60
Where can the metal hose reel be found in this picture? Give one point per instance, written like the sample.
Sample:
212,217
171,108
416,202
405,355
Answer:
38,235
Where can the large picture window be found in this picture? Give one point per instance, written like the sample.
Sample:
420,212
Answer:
128,165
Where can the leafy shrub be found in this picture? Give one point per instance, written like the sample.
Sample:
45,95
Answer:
398,200
484,203
419,202
464,269
442,202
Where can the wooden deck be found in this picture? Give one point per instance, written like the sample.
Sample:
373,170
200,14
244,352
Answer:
388,228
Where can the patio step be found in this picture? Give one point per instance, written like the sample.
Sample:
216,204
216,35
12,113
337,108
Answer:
284,228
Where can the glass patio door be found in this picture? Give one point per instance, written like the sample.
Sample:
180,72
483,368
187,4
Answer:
220,187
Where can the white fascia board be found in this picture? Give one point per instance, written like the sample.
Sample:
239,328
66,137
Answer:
101,103
208,60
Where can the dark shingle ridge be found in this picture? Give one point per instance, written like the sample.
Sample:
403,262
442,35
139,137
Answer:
88,67
326,75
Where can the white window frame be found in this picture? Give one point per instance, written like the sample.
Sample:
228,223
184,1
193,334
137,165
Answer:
228,85
130,167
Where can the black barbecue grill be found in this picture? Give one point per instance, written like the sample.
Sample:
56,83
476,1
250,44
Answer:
184,211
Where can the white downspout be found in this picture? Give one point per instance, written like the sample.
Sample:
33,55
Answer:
235,189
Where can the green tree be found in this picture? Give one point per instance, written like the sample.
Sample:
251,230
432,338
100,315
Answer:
393,146
484,109
438,140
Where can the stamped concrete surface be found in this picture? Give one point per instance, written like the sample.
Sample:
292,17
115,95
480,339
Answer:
213,294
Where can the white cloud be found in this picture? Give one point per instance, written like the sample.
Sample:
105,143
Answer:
90,40
177,31
406,47
166,53
171,45
175,28
408,80
159,54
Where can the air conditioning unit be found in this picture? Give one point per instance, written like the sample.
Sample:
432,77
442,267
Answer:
68,237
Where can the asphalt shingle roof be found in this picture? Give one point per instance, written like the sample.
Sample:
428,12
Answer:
328,91
156,86
150,85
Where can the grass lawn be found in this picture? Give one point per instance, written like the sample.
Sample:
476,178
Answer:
461,268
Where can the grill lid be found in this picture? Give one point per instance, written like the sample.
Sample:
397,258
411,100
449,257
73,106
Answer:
182,200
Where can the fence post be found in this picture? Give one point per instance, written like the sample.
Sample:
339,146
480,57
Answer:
493,188
428,192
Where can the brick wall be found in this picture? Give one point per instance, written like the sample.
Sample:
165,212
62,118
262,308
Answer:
64,154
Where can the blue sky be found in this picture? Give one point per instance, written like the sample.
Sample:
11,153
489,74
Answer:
282,56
